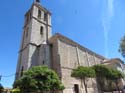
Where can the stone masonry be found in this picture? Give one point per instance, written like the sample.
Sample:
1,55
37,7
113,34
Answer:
58,52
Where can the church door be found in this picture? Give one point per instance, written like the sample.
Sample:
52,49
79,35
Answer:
76,88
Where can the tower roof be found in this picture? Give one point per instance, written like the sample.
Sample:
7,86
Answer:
37,4
41,7
37,1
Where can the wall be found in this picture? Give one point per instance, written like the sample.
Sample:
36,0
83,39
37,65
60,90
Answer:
72,56
36,37
44,55
55,63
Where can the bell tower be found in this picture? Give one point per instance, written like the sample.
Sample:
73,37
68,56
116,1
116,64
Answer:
36,32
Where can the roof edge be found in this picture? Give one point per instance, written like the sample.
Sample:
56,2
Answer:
59,36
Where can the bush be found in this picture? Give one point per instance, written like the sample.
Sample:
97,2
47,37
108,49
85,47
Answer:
38,79
1,88
15,90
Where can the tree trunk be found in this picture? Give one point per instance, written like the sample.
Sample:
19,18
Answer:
81,82
85,85
109,84
99,84
116,82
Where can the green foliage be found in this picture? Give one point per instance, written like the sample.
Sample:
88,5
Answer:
122,46
38,79
26,84
115,77
115,74
109,73
105,74
83,72
1,88
16,90
102,71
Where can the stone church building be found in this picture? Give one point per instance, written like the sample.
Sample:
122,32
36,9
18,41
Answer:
40,47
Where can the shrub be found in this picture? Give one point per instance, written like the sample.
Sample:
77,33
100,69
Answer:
15,90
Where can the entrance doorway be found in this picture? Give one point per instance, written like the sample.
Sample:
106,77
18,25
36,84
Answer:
76,88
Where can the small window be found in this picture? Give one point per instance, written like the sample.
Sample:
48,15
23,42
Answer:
39,13
21,71
41,30
43,62
27,29
45,16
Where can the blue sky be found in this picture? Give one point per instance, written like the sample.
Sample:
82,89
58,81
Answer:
95,24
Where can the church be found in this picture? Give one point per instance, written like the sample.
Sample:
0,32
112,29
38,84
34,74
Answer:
40,47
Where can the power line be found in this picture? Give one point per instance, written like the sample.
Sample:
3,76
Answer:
8,75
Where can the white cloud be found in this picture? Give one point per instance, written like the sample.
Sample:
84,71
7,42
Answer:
108,14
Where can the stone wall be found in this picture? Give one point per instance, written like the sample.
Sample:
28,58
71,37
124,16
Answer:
33,37
36,37
72,56
44,55
55,63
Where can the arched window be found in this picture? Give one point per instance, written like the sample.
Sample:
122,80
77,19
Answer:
45,16
39,13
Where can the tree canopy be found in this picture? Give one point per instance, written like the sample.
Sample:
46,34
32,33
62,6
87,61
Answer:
122,46
109,75
102,71
83,73
1,88
115,74
39,79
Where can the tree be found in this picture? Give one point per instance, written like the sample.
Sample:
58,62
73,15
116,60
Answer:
1,88
38,79
122,46
26,84
115,76
102,75
15,90
83,73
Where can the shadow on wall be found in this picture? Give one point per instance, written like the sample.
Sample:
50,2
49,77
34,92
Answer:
35,57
